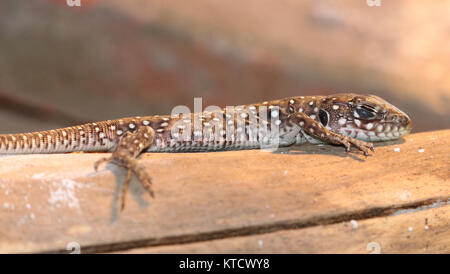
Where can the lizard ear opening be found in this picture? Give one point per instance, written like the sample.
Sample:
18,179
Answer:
323,117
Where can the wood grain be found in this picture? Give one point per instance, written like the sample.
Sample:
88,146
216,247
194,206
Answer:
48,201
424,231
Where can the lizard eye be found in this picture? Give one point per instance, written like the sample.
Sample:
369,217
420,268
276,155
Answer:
365,112
323,117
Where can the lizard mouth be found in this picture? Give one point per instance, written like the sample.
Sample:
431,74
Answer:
376,132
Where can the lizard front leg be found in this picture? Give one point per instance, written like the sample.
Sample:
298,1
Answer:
315,129
126,153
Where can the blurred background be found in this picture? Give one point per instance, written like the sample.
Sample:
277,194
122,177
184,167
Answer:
62,65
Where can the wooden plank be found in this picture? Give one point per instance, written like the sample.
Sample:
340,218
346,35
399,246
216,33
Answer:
48,201
425,231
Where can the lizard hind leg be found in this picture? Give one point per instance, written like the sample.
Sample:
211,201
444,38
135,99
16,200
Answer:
128,149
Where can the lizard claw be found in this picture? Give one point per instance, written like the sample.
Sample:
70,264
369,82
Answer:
363,146
101,161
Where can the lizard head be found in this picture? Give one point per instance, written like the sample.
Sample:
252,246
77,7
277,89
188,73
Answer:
365,117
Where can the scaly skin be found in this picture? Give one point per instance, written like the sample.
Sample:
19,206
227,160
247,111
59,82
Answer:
342,119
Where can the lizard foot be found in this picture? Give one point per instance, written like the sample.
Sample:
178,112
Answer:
132,166
348,142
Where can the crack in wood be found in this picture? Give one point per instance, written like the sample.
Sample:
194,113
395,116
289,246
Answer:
325,219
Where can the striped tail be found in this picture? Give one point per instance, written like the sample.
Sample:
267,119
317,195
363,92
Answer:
88,137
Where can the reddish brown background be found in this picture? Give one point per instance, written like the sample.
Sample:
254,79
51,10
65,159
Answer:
63,65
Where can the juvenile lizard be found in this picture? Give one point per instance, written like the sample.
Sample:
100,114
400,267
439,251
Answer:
341,119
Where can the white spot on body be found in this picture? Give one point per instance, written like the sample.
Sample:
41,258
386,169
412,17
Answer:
146,123
164,124
421,150
397,149
335,107
342,121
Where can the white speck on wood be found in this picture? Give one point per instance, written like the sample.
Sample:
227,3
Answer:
405,195
260,243
39,175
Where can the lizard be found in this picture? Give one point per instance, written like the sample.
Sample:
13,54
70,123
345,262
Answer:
347,119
